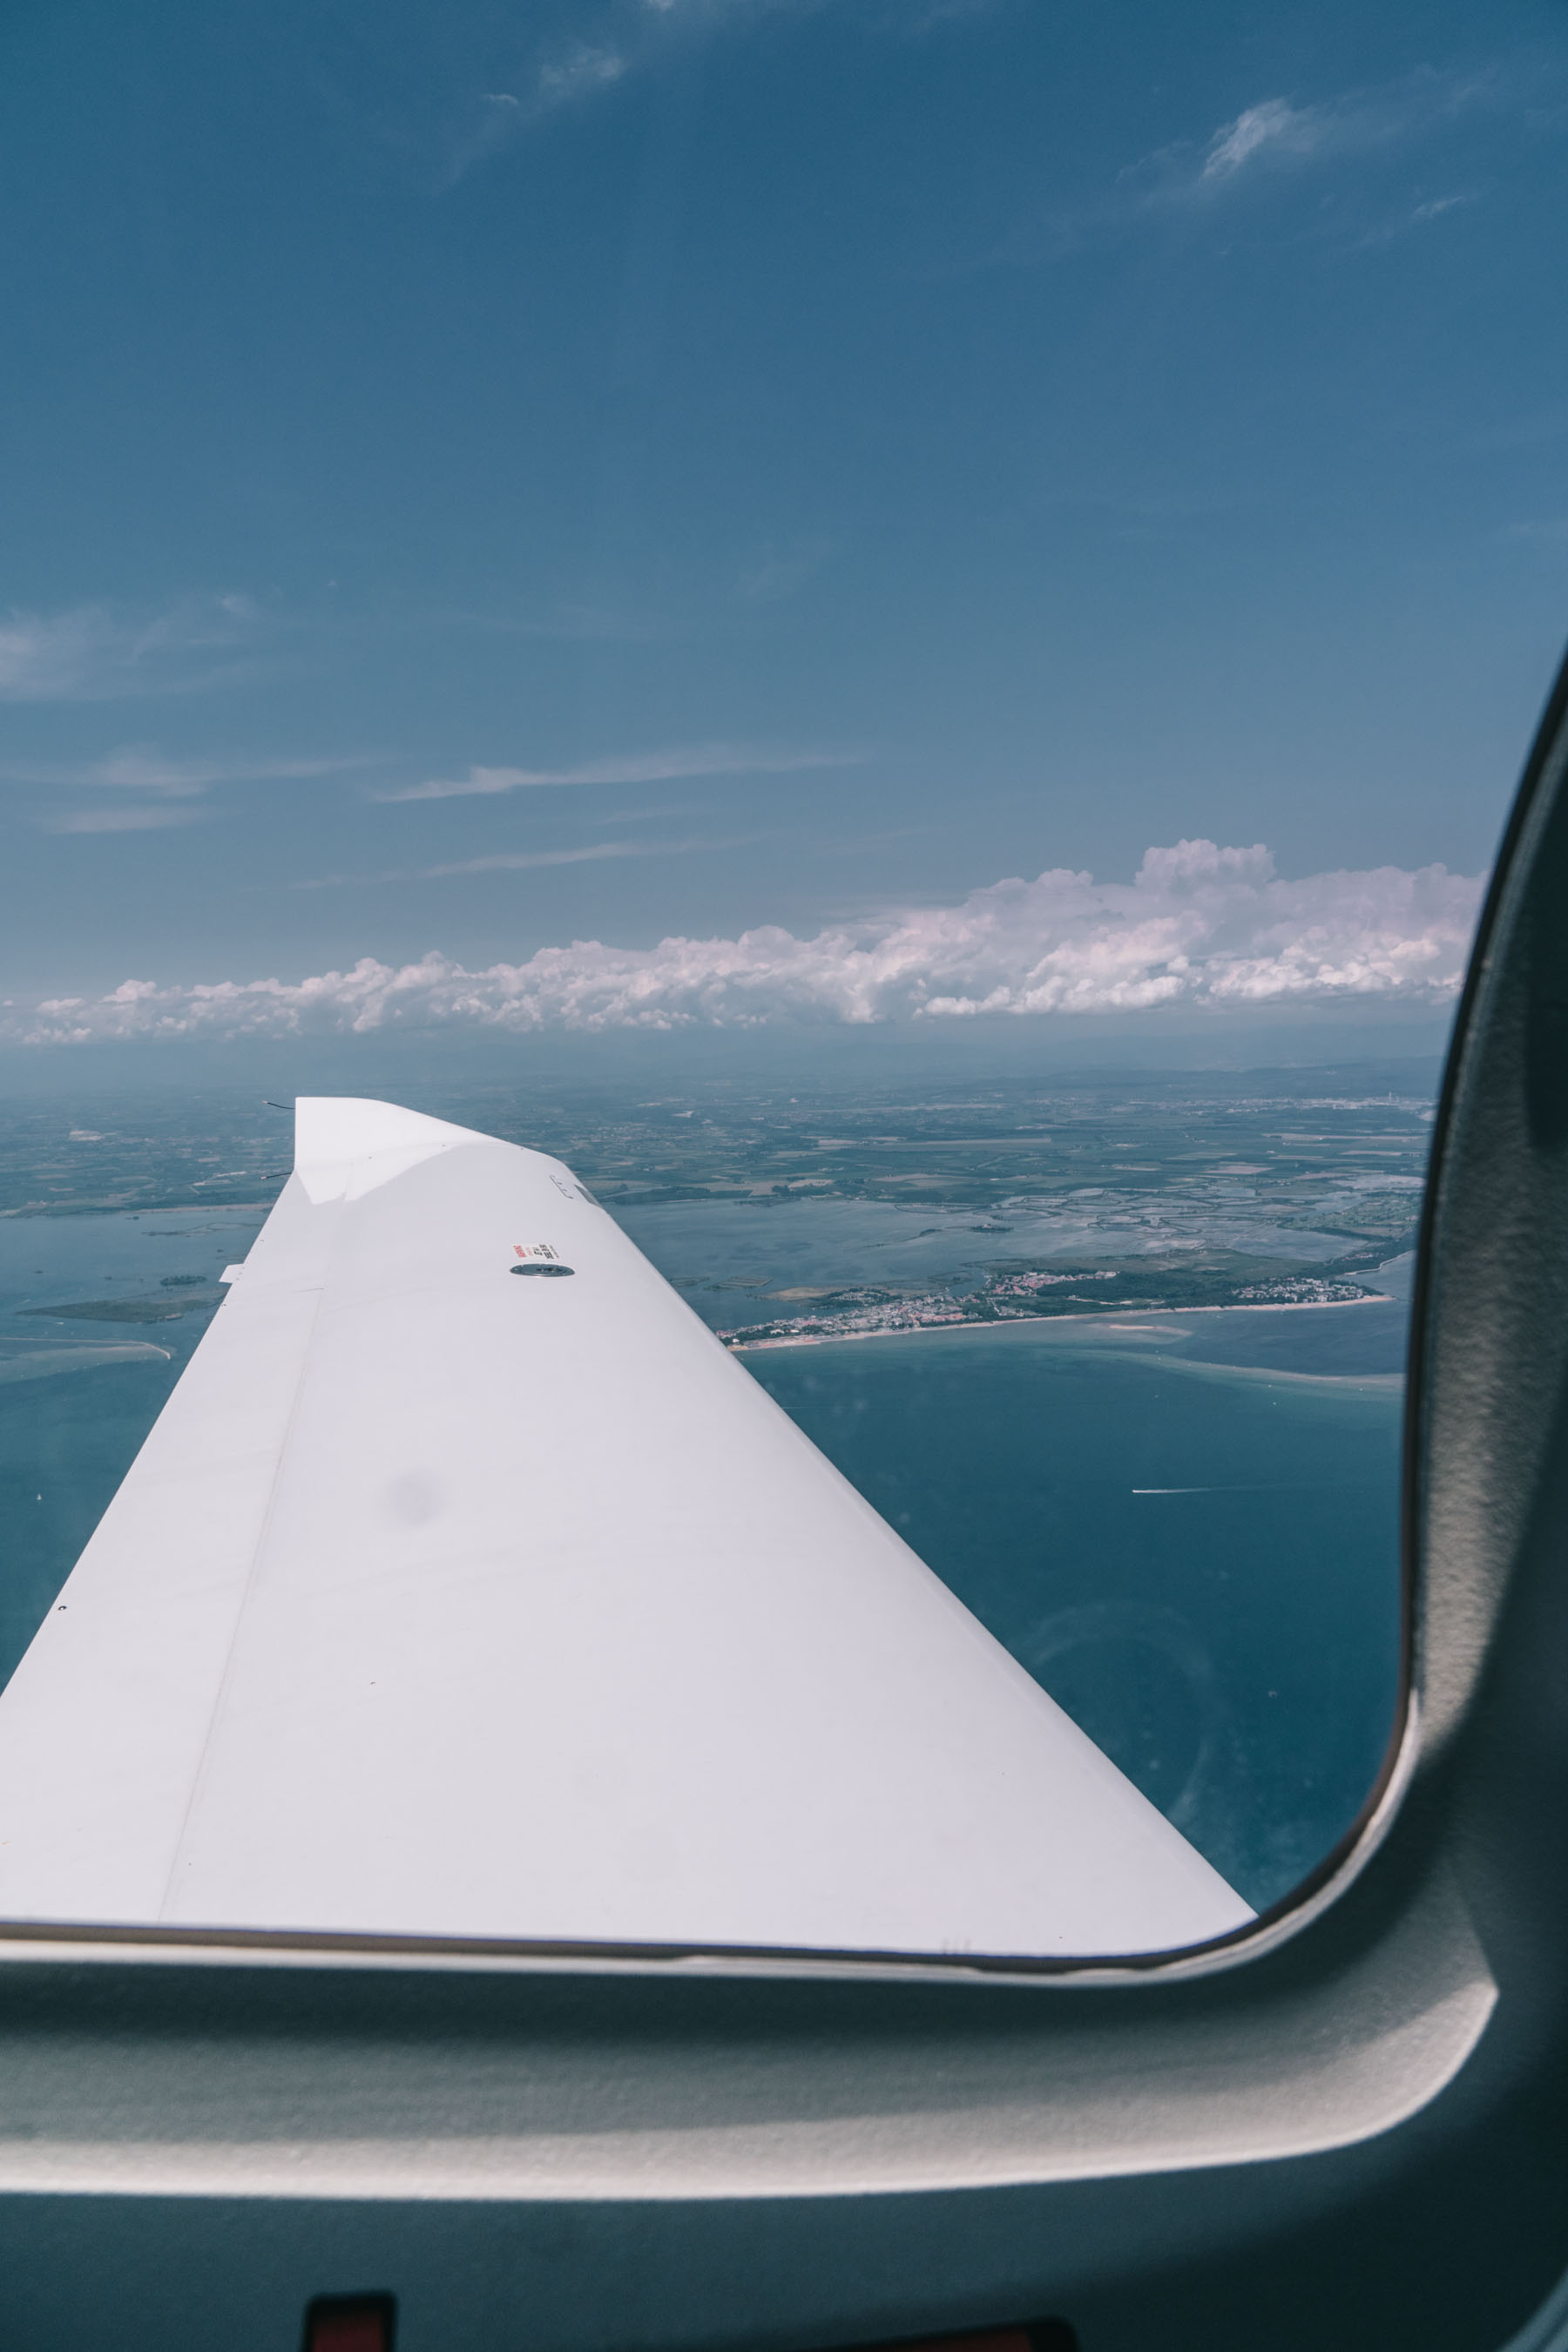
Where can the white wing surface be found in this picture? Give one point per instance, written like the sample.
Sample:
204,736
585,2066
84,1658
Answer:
445,1602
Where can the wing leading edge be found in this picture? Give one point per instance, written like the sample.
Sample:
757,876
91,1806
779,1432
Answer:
440,1602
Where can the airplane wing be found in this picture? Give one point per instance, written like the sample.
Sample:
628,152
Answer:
467,1587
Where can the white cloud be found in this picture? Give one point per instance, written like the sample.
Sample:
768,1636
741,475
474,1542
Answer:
780,573
520,861
1276,132
166,788
1437,206
1410,218
509,861
1274,123
564,70
1198,926
42,658
96,654
143,768
563,77
636,768
578,74
147,771
128,817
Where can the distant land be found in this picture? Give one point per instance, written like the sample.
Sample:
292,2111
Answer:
840,1212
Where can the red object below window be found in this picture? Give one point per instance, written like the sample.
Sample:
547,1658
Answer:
350,2324
997,2339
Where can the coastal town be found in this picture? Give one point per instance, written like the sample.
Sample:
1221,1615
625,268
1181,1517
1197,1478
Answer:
1020,1297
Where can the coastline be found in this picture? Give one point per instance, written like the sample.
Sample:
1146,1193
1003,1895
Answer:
1026,1322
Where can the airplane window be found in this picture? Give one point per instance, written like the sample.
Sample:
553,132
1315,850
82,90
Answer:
849,674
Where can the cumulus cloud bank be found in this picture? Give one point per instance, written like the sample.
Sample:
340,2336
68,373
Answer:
1197,925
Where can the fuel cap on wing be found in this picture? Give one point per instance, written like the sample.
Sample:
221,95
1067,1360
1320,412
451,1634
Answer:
537,1257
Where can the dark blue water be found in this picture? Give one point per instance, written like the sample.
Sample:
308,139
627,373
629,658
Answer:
1199,1561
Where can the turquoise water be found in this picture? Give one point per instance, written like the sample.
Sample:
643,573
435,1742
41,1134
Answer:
78,1397
1199,1561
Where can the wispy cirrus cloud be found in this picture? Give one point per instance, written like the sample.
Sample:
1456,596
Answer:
1545,531
1408,217
498,116
1436,206
1342,147
579,72
464,111
143,768
167,788
562,68
506,861
778,572
564,73
636,768
99,653
1276,124
1278,133
1198,926
524,861
153,819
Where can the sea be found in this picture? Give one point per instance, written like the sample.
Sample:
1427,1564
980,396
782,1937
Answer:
1185,1525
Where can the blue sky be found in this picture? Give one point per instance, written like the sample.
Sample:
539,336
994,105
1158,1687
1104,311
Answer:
479,478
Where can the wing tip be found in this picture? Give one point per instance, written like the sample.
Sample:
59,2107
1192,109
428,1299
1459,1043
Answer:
332,1132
